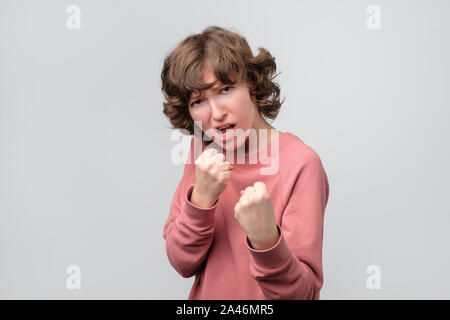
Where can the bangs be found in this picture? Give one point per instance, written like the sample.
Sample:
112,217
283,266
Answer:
229,58
225,73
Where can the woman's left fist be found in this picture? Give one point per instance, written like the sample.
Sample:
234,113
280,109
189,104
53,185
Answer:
255,214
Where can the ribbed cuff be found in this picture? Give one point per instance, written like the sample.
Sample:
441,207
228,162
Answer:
272,257
196,215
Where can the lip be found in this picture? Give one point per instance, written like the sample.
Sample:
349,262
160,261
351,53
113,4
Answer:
224,125
228,132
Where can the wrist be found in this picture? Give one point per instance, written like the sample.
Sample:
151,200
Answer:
199,201
265,244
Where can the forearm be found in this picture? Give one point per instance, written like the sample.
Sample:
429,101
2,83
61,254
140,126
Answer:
282,275
189,236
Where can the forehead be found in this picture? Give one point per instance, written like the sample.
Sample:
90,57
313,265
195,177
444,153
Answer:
208,77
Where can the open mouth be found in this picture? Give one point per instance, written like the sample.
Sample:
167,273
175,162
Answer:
224,130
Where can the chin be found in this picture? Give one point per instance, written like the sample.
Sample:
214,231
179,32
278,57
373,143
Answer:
235,145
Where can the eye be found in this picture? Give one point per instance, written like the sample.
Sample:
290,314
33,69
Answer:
195,102
227,87
223,89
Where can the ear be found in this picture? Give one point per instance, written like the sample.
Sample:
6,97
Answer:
253,95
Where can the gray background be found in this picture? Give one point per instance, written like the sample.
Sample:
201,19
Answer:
86,176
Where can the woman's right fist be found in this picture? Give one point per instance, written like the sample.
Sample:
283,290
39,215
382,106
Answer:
211,177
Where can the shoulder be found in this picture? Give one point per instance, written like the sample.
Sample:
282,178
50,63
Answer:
301,162
298,153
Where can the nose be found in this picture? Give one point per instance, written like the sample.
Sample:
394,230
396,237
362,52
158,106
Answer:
217,110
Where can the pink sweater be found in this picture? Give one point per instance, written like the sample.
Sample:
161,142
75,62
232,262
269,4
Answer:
210,243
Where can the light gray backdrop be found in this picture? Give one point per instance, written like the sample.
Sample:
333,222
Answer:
86,176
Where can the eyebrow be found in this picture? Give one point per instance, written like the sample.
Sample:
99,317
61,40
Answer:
214,87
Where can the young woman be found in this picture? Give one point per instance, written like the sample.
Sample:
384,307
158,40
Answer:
245,233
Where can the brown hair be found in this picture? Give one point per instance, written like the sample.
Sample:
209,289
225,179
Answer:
231,59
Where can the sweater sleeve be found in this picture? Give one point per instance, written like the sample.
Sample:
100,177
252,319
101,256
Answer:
189,230
292,268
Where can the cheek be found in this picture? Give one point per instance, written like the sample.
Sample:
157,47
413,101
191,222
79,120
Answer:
199,114
246,110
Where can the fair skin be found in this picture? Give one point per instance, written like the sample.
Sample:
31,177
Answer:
232,104
228,104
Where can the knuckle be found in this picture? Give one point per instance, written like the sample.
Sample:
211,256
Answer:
259,185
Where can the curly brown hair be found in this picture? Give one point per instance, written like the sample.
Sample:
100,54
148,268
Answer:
231,59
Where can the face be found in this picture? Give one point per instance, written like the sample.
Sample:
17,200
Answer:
223,104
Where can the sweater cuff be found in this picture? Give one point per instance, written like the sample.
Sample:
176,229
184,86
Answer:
196,215
272,257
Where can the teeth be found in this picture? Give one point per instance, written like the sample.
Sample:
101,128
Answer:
223,128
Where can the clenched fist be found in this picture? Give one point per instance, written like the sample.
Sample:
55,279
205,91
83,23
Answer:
211,177
255,214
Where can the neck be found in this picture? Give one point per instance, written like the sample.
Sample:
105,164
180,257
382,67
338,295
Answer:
260,135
